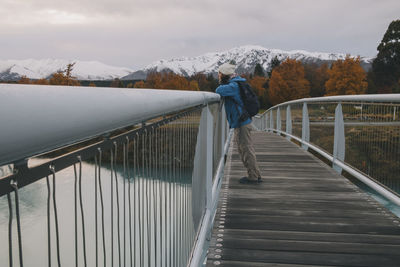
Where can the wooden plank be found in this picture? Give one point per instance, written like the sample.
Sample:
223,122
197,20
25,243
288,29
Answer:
303,214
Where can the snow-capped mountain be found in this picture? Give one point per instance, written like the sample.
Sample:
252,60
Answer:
246,58
37,69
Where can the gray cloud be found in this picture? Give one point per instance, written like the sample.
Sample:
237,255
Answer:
135,33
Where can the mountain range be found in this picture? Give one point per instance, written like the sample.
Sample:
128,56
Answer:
246,58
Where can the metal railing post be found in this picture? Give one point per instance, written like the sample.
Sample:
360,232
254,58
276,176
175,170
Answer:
339,145
271,120
202,180
209,156
222,125
278,120
305,129
288,122
266,121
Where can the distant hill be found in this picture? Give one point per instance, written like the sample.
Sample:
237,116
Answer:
246,58
37,69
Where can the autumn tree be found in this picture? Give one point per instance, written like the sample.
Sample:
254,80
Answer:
386,66
41,82
346,77
287,82
194,86
168,80
24,80
139,84
92,84
64,77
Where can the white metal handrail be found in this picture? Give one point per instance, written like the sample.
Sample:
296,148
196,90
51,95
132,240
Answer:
38,118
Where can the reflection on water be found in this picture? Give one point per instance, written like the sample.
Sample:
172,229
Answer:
155,223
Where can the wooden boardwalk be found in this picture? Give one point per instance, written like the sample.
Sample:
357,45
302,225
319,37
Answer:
303,214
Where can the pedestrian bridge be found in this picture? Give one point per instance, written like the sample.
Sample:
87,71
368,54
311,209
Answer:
140,177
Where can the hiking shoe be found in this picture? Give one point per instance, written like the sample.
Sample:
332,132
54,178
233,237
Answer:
245,180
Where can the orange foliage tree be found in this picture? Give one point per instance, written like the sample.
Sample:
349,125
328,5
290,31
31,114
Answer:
167,80
346,77
64,77
24,80
41,82
287,82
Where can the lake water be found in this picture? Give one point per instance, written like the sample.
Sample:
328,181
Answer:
162,217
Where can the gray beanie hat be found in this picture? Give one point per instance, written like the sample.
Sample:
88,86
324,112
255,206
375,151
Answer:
227,69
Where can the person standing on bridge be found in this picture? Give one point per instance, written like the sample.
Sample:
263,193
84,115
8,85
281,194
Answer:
230,91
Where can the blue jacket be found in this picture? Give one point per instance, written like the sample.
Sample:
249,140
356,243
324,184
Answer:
233,111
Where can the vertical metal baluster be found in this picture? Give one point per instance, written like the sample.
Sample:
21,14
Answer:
183,189
82,212
181,249
124,177
176,191
173,211
14,185
129,202
163,218
136,198
142,194
10,219
102,209
76,216
186,157
154,177
112,206
118,210
48,221
166,196
95,209
173,203
170,245
52,169
160,193
149,202
146,200
155,197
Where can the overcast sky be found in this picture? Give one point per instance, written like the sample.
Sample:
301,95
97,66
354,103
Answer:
134,33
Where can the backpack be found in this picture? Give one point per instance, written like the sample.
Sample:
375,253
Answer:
251,106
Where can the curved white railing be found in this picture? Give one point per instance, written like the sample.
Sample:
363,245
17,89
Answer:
37,118
147,140
359,134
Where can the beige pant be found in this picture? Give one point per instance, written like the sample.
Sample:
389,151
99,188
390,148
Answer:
246,151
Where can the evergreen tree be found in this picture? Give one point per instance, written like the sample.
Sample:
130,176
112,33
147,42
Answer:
317,76
117,83
386,66
259,71
275,62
